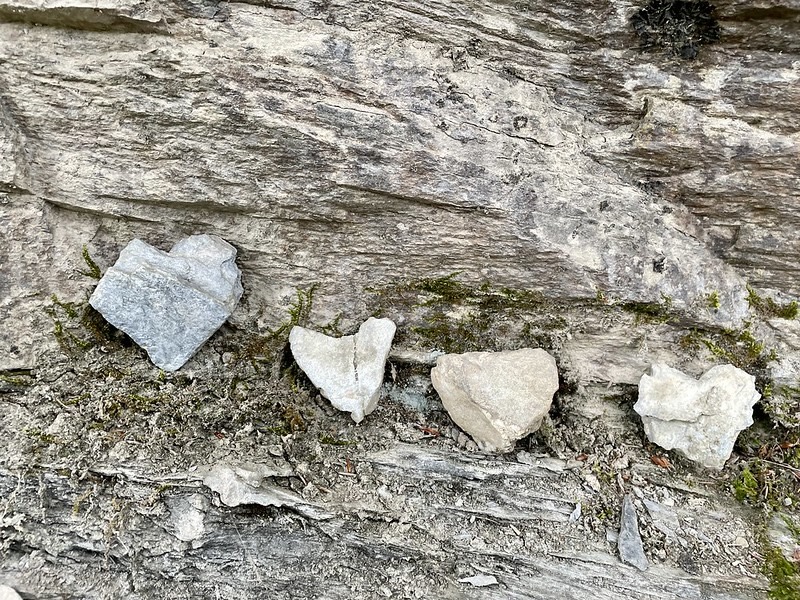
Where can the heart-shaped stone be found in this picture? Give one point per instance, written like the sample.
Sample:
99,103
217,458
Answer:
699,418
348,370
497,397
171,303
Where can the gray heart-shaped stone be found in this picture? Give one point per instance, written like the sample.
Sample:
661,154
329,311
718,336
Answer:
171,303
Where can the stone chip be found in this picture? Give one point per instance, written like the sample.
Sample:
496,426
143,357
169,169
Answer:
629,541
497,397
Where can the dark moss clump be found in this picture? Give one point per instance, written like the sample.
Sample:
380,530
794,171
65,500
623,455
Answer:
738,347
449,315
679,26
650,312
77,327
274,345
92,270
770,470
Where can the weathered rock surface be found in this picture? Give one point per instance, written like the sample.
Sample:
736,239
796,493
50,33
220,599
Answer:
533,146
348,370
699,418
336,142
497,397
629,541
171,303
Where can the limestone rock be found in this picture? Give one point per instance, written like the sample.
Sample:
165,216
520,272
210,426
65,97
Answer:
699,418
629,542
348,370
8,593
171,303
497,397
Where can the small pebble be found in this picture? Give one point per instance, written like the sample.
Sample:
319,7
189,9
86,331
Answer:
741,542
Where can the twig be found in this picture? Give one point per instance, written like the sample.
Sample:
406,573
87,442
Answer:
794,470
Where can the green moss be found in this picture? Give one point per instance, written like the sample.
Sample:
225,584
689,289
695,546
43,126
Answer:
446,287
768,308
712,300
77,327
784,577
270,347
781,403
93,270
65,317
446,314
17,378
332,441
793,527
650,312
745,487
769,468
40,436
738,347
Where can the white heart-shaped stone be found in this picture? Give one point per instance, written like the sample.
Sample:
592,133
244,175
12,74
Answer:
700,418
171,303
348,370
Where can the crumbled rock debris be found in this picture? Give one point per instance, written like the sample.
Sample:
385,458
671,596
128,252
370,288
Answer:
403,479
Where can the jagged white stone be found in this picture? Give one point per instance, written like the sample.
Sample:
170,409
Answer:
171,303
497,397
699,418
348,370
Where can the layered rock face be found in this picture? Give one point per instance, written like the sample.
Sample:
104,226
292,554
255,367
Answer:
357,144
607,203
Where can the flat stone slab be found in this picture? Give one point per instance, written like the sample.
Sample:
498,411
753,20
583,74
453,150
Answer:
348,370
170,303
700,418
497,397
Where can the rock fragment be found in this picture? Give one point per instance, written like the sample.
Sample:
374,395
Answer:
699,418
348,370
252,483
497,397
479,580
8,593
187,517
171,303
629,541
